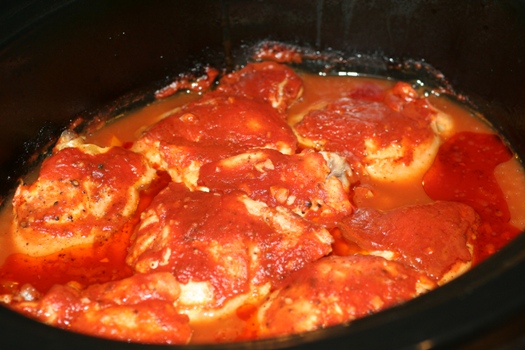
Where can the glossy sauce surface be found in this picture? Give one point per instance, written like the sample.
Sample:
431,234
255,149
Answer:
464,172
494,189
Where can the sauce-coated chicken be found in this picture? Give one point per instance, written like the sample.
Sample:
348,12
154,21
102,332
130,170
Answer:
337,289
83,194
222,246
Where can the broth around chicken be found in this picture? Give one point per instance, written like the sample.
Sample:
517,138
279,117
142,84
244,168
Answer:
274,203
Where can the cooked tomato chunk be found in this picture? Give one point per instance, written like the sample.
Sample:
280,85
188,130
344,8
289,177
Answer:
434,238
84,193
338,289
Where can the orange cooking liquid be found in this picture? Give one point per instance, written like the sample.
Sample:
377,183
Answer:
106,260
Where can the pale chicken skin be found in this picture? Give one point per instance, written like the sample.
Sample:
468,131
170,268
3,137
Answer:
435,238
222,247
337,289
84,193
389,135
306,183
136,309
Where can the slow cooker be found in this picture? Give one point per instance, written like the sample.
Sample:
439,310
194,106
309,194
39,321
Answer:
68,62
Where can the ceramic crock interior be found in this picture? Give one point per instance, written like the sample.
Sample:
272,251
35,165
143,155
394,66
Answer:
60,60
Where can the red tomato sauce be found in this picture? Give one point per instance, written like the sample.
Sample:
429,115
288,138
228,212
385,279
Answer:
388,116
461,172
103,262
464,172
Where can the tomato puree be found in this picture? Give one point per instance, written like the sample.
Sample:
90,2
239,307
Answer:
464,172
266,202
